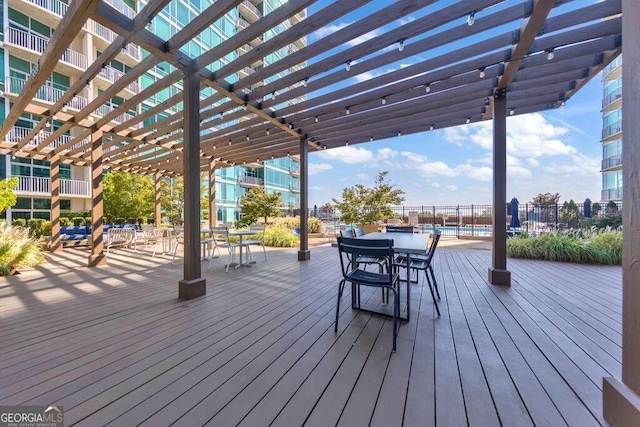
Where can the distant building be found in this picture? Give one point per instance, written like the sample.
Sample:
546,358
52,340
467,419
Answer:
28,25
612,132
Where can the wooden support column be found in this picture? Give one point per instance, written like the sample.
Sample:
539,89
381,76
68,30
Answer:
213,214
55,245
158,213
621,398
192,285
498,273
303,253
97,256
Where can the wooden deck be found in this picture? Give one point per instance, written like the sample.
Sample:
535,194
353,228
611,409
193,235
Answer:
114,345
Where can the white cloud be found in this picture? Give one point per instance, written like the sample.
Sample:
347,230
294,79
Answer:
528,135
386,153
533,162
366,37
406,20
435,185
451,187
330,29
316,168
347,154
362,177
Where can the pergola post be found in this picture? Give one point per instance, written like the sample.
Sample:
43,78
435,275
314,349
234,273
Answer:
157,211
498,273
213,215
55,245
621,398
192,285
303,253
97,256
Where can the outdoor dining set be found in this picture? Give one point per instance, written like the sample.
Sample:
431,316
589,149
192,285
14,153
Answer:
388,253
165,240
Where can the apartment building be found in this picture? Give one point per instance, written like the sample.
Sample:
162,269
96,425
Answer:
612,132
28,25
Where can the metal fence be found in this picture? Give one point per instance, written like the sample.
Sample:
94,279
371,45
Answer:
469,221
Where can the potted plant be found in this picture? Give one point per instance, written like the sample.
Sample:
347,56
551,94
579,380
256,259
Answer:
367,206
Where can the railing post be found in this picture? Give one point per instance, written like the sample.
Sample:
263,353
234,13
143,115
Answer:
433,218
473,222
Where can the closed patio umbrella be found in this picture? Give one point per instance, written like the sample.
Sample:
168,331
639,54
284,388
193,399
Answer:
515,221
587,208
315,211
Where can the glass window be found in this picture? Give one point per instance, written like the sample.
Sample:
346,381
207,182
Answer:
65,205
43,215
20,170
39,203
23,203
65,171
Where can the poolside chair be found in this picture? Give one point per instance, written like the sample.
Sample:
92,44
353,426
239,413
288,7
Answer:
220,236
424,262
351,249
260,230
178,235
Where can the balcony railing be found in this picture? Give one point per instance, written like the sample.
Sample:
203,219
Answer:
611,162
40,185
38,44
612,65
101,31
251,180
17,133
105,109
122,7
612,129
45,93
613,96
54,6
250,11
294,171
242,24
611,194
113,75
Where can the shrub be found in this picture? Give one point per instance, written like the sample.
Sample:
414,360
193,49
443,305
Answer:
291,223
315,225
64,222
19,222
36,227
17,250
580,246
280,237
46,228
77,220
87,221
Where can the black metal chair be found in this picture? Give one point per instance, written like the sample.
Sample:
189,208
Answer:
350,249
399,229
424,262
363,259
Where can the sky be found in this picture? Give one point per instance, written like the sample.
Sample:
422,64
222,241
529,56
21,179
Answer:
553,151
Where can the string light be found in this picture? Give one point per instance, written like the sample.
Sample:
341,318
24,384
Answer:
384,100
512,112
471,19
370,139
348,65
399,133
468,120
427,87
268,132
316,119
550,54
401,45
305,82
347,111
431,127
247,137
482,73
324,147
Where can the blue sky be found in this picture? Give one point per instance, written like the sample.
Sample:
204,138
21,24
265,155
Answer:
554,151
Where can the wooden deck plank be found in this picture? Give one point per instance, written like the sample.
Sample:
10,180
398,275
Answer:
115,345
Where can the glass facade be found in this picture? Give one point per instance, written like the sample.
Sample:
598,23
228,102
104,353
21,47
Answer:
612,132
27,27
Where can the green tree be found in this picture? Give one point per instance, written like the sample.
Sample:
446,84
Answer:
546,199
127,195
326,210
8,197
570,214
257,203
172,199
361,204
544,204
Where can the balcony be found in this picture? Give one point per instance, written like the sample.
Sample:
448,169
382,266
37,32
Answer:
54,6
112,75
38,44
249,11
242,24
612,129
611,194
17,133
105,109
612,66
611,98
251,180
294,171
294,187
122,7
48,93
39,186
611,162
106,34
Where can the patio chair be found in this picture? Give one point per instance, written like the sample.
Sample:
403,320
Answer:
220,236
152,236
178,235
424,263
399,229
121,237
260,230
351,249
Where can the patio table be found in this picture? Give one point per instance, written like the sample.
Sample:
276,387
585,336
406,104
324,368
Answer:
242,233
404,243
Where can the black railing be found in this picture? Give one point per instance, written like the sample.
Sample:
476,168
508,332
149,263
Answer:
611,162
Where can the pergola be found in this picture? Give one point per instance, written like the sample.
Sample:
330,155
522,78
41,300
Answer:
469,61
